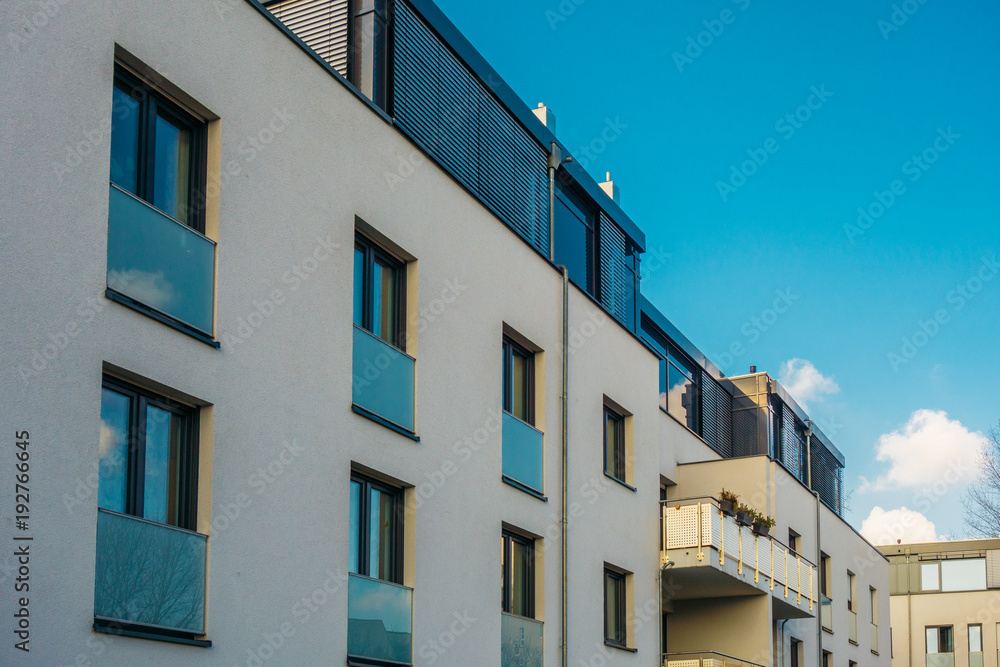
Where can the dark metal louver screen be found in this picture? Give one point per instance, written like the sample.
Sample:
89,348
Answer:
453,116
322,24
717,416
618,286
745,432
828,476
793,445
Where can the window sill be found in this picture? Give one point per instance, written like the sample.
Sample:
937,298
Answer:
874,652
523,487
384,422
620,647
625,484
827,630
161,318
852,642
142,632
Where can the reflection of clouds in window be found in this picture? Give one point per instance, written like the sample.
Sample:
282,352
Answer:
390,604
156,487
113,450
151,289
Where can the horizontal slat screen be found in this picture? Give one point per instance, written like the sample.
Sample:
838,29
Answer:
322,24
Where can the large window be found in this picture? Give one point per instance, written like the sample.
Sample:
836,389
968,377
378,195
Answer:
975,638
376,530
379,288
157,150
940,640
148,461
614,444
961,574
574,238
518,580
370,53
682,389
518,381
615,617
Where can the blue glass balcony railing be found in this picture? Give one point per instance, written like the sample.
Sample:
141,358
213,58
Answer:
383,379
160,262
150,574
522,641
379,620
523,450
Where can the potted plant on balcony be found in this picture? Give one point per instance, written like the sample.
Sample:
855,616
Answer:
744,515
727,502
762,524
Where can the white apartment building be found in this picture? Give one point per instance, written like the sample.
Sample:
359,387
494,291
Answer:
303,308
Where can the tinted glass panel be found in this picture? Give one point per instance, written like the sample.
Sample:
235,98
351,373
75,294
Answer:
359,287
381,543
682,395
574,242
975,638
614,628
929,577
519,387
160,492
520,574
355,536
125,141
113,461
385,301
614,446
172,170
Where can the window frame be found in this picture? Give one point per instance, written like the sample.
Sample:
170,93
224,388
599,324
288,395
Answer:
372,251
511,349
969,632
135,469
666,349
510,538
153,102
621,597
939,628
364,523
567,194
612,415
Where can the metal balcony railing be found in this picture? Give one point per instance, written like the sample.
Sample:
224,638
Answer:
383,380
150,573
940,660
698,523
521,641
826,612
159,262
379,620
852,626
975,659
523,453
705,659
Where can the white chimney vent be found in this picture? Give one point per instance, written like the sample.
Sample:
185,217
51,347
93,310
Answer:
612,190
544,114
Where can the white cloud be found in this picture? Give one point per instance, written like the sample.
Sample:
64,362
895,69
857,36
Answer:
907,526
929,449
805,383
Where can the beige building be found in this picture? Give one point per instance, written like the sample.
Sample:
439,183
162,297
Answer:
303,308
945,603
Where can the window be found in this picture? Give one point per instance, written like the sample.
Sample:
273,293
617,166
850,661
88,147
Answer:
157,150
967,574
518,381
873,594
930,576
795,652
827,659
975,639
379,286
518,580
615,629
851,592
940,640
793,540
574,238
370,56
682,390
148,464
614,444
376,530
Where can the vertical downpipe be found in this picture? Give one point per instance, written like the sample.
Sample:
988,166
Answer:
565,454
819,577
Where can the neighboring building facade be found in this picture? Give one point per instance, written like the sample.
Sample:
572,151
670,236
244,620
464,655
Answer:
945,603
290,346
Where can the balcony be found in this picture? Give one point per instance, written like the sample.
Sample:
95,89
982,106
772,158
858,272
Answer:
521,641
711,555
379,621
706,659
383,380
149,574
523,454
160,264
852,626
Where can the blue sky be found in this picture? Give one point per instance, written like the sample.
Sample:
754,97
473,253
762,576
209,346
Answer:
924,87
